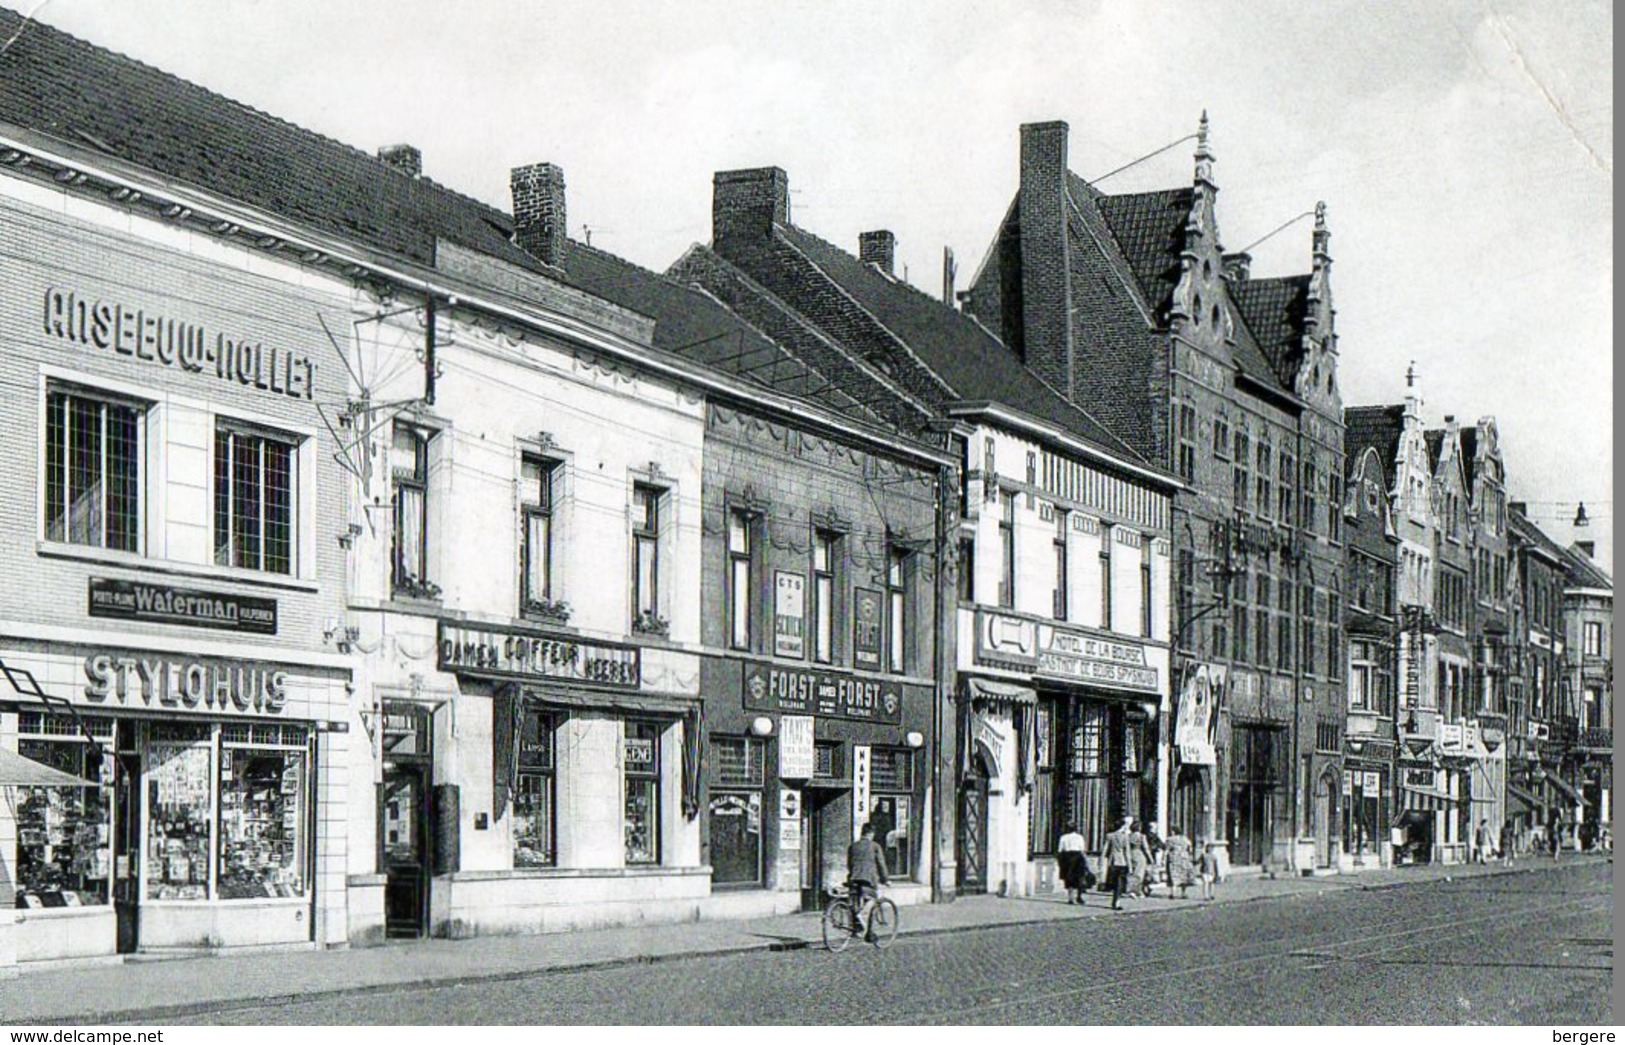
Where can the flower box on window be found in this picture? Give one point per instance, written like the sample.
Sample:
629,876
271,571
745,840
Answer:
406,587
556,611
651,624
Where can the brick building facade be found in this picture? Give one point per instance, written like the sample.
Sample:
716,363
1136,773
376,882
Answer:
1129,305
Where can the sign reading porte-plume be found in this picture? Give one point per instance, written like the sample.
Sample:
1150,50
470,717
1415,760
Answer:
138,600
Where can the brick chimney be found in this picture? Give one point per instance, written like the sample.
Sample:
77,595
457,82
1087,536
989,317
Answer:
878,248
538,211
746,204
1045,341
404,158
1238,266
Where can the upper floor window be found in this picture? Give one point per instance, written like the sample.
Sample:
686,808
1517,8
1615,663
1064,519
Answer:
93,459
409,469
1591,640
1221,438
1362,677
825,546
1265,489
1061,521
967,570
253,498
538,483
1147,618
896,608
1106,577
1186,437
1243,465
1285,469
1007,549
1311,503
740,580
646,502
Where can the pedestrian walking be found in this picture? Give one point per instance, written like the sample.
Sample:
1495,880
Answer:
1139,860
1555,828
1116,855
1074,870
1481,842
1181,868
1509,842
1210,870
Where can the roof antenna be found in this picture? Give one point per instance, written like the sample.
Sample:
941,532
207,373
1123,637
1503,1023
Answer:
1279,228
1178,141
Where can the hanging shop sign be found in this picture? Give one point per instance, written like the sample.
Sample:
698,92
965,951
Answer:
1006,642
789,614
867,627
796,749
117,328
162,604
1199,700
186,684
793,691
1452,739
534,656
860,788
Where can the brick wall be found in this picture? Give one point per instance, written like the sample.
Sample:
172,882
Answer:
540,226
1046,283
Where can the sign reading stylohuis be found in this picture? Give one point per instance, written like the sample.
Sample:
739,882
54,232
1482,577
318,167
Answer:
160,603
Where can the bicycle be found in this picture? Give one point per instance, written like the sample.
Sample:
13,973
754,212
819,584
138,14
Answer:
877,920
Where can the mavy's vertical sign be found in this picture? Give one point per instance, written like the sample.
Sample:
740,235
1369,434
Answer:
789,615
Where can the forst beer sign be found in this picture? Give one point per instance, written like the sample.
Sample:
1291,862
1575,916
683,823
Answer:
792,691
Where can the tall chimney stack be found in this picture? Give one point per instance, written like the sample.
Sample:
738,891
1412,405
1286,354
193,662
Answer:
878,248
538,211
746,204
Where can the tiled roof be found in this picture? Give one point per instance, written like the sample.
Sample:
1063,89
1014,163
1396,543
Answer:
1374,426
957,349
1275,310
1584,572
55,84
694,325
1150,229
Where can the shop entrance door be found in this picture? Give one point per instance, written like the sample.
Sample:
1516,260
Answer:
826,831
973,830
403,833
127,838
1252,825
1325,816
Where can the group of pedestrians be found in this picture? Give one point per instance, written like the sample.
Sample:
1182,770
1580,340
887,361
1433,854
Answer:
1131,858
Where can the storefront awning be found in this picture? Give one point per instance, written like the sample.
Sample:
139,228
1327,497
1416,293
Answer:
635,703
1565,787
1000,692
1526,798
17,771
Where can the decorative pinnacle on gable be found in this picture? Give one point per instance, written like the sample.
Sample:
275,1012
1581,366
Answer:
1323,237
1204,155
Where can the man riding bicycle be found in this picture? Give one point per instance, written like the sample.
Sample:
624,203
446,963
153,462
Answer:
865,866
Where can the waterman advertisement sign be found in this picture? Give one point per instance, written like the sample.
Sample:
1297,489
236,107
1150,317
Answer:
162,604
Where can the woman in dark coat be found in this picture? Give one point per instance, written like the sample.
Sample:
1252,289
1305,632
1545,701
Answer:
1069,857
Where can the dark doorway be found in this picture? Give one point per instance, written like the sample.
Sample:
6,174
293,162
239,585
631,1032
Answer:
973,829
403,834
826,831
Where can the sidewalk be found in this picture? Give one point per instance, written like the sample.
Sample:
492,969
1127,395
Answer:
149,990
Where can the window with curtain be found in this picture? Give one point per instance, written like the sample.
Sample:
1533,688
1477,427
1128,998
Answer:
741,582
409,468
93,486
646,504
1042,828
253,499
1090,776
538,485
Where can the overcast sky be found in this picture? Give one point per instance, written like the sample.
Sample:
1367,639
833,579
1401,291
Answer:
1464,149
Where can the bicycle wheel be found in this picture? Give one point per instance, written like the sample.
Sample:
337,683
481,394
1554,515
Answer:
837,926
883,923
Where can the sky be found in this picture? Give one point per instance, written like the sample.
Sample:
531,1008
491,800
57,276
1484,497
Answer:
1464,149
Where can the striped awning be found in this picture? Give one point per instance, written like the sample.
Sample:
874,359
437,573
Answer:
18,771
999,692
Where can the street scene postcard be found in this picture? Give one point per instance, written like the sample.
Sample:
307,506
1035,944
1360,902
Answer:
916,514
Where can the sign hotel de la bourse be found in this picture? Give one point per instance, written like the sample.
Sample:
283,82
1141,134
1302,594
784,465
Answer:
1062,653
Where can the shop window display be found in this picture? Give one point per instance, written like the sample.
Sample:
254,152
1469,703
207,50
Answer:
735,810
891,806
534,842
641,757
63,833
261,806
179,800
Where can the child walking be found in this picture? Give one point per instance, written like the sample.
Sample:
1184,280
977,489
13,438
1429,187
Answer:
1210,870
